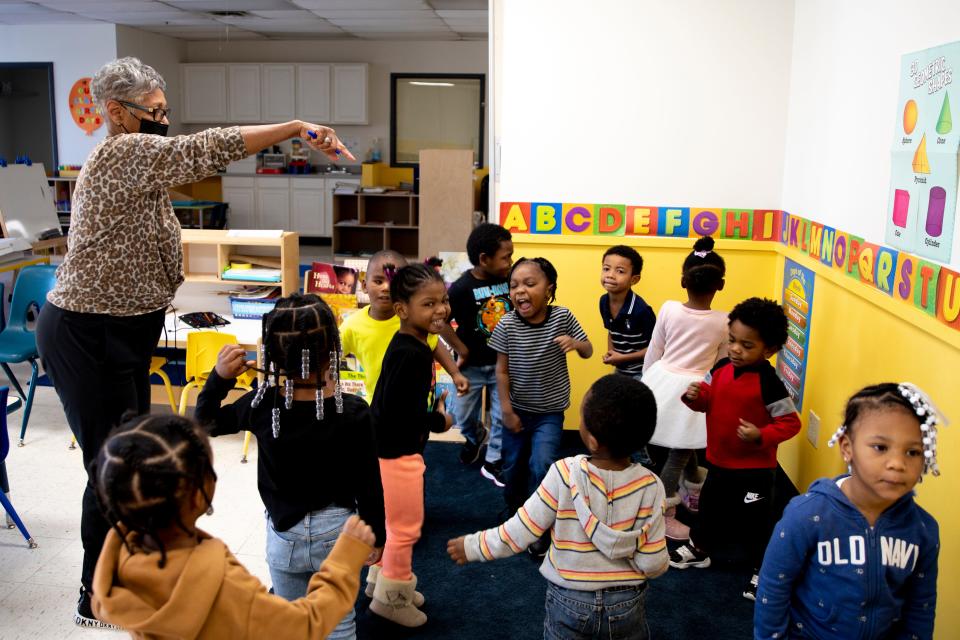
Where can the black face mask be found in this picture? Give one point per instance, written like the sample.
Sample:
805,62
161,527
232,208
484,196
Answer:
153,127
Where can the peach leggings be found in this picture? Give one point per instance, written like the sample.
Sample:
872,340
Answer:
403,507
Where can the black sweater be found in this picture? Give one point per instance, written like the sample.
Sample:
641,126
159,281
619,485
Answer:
402,420
312,464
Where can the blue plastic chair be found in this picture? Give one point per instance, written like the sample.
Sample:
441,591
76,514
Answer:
13,519
17,342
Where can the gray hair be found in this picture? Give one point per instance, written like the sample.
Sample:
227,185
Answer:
124,79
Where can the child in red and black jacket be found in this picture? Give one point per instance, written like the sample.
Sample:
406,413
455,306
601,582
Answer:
748,414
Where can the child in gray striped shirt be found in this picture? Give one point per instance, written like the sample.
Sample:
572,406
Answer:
606,518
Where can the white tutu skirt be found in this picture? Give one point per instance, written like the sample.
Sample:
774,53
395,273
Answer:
678,427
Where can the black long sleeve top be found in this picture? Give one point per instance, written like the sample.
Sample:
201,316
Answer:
402,418
312,464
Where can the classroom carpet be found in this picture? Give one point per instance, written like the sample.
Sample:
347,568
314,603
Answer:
505,599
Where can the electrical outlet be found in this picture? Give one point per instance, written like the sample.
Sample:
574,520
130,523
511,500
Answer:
813,429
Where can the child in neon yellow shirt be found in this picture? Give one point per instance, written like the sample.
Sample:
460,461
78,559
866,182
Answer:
367,332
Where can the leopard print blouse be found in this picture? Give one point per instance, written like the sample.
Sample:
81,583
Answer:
125,256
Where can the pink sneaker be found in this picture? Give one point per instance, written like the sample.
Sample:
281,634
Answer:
676,530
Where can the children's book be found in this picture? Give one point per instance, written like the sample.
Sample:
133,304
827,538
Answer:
332,278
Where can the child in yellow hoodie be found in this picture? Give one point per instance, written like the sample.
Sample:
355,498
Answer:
160,577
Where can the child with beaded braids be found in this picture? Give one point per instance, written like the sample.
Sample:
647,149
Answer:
159,576
403,419
855,556
316,462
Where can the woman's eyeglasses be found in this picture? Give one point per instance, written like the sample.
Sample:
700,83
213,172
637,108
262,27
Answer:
157,113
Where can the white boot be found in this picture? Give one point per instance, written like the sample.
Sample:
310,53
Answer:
372,575
393,600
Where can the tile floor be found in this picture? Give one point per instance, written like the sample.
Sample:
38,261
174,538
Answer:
39,587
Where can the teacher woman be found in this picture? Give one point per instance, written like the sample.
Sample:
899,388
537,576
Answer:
103,319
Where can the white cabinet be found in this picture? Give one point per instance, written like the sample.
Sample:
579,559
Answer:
278,92
204,93
246,93
273,203
313,93
349,94
309,215
239,194
243,93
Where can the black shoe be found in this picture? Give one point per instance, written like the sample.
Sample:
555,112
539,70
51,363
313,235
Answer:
84,616
493,471
750,591
470,452
687,555
539,548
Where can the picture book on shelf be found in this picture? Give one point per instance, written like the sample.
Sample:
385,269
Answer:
332,278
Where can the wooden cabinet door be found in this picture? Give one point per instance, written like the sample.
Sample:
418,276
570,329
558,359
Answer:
243,91
204,93
313,93
278,92
350,94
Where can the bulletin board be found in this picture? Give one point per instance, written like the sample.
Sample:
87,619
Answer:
922,200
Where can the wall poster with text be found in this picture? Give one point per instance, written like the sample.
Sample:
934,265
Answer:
798,284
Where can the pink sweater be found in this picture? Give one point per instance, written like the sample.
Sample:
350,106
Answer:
687,340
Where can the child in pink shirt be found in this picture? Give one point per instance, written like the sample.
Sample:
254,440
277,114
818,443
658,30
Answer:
687,340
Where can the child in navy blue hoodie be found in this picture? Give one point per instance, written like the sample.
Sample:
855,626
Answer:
855,556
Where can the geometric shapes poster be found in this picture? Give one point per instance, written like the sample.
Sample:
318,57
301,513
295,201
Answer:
922,198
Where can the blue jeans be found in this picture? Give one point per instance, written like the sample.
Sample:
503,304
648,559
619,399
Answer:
294,555
617,612
466,409
527,455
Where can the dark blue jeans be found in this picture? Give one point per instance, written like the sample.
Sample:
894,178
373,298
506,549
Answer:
527,455
617,612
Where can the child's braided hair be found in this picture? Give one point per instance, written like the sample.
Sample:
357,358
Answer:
145,469
548,269
703,268
299,337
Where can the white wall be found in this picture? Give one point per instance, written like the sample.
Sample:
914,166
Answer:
163,54
384,58
843,104
643,101
76,51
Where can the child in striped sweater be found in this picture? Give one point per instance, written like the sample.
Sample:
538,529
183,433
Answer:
606,516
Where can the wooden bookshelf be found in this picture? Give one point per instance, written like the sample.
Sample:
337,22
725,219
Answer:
207,252
364,223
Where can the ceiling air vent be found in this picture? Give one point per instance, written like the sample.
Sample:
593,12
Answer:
229,14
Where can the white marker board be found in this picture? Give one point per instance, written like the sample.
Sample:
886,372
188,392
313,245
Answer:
27,208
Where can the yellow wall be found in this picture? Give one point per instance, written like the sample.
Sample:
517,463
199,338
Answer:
751,271
858,336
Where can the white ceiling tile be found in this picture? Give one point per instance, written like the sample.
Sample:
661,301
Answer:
232,5
374,14
455,15
442,5
22,8
289,14
426,21
352,5
409,28
45,18
408,36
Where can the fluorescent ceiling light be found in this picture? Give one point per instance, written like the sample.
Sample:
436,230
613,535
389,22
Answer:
432,84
